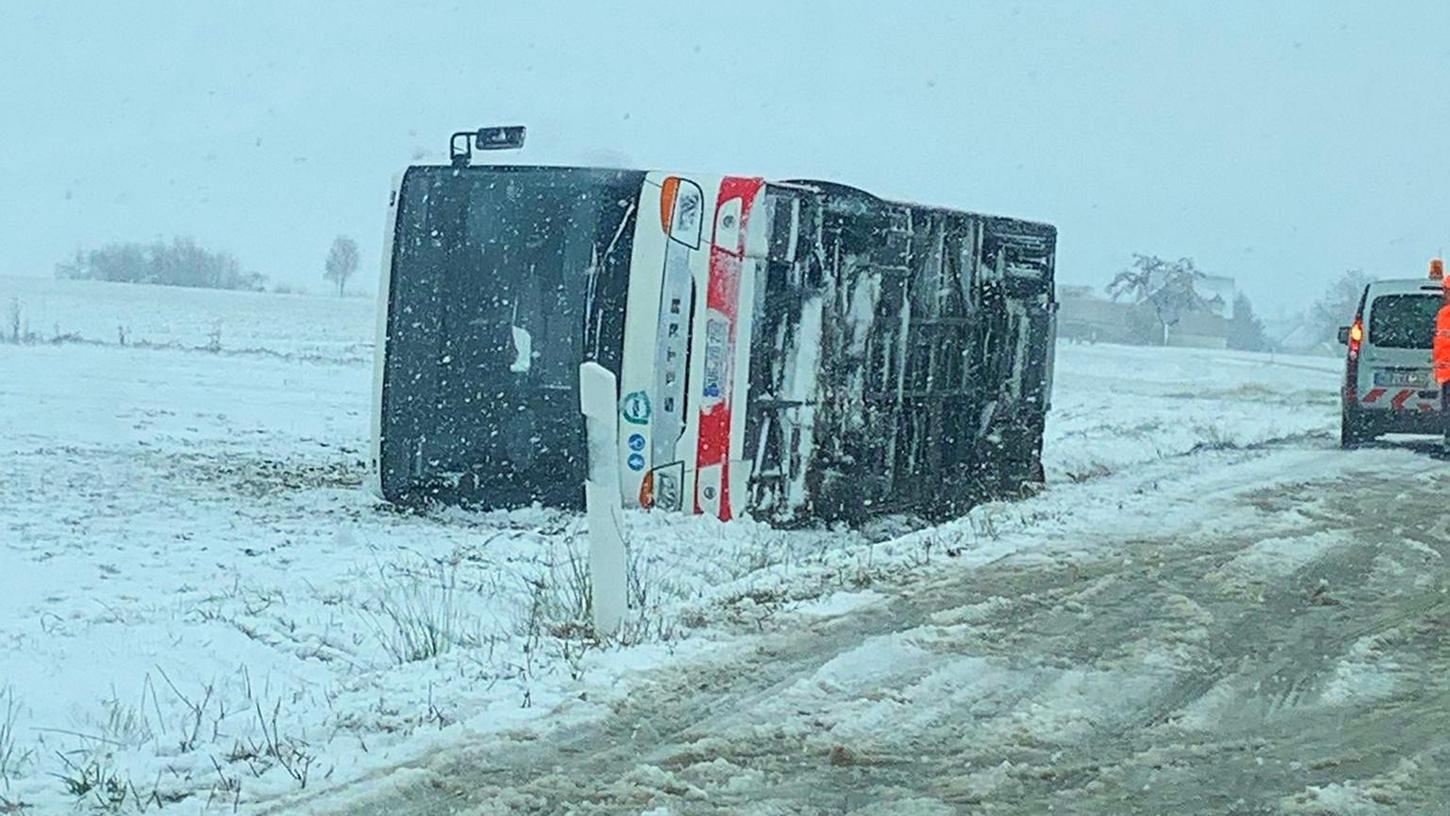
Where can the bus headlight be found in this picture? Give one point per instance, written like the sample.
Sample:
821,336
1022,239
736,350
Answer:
682,210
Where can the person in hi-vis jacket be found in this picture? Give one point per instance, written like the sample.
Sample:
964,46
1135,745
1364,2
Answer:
1440,354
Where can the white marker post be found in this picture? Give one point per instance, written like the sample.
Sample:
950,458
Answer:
598,399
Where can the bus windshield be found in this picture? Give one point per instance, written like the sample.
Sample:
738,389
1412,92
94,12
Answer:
495,273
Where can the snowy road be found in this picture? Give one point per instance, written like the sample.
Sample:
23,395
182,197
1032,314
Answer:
1266,634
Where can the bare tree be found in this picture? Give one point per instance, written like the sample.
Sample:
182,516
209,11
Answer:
1166,286
1246,330
341,262
1337,305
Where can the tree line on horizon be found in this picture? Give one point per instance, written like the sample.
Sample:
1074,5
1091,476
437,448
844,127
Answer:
184,262
179,262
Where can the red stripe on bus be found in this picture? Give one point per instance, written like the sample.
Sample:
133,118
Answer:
1374,394
722,297
1399,401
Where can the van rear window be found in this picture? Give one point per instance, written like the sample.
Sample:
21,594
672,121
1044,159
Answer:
1403,321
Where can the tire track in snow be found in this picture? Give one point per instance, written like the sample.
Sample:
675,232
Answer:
1139,674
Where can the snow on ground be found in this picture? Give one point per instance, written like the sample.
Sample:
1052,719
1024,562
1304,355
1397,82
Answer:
201,607
1085,659
335,329
1115,406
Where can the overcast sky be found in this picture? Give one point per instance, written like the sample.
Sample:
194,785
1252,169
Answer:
1278,143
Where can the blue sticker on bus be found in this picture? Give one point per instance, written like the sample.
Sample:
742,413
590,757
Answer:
636,461
635,407
636,442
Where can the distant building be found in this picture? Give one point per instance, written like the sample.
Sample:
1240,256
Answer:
1086,316
1200,330
1219,292
1083,316
1299,335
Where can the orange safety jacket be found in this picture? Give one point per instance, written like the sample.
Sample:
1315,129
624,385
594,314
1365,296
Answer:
1441,349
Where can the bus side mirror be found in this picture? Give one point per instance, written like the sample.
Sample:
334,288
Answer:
1343,335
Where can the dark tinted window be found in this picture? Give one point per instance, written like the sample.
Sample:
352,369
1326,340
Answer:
1403,321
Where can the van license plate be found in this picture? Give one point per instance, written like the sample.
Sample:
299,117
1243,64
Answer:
1402,379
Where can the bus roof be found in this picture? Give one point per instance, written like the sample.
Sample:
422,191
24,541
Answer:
828,187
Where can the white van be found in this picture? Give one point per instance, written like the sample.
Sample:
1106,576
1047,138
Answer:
1389,385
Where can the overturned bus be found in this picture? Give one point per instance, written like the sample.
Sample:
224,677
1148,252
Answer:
793,350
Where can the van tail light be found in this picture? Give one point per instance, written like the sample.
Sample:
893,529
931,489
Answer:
1351,367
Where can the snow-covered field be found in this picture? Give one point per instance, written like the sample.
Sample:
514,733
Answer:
297,326
201,610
